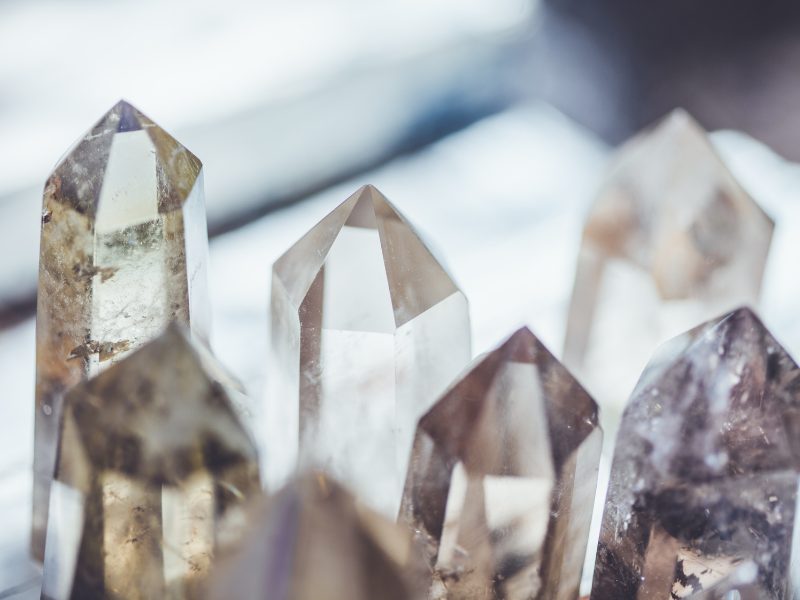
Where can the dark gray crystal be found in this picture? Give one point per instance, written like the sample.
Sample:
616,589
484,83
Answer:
705,471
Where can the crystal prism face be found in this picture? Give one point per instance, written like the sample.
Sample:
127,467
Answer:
502,478
153,459
123,253
314,540
367,329
705,472
671,240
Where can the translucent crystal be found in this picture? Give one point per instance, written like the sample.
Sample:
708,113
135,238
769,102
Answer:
705,472
153,457
367,329
502,478
123,252
314,540
671,240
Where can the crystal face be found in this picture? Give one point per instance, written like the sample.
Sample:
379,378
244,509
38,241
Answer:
502,478
671,240
367,329
123,253
153,457
313,540
705,472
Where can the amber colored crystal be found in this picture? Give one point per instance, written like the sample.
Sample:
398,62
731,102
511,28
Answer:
314,540
703,492
123,253
153,457
502,478
368,329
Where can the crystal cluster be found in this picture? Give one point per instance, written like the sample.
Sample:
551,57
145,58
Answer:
671,240
703,493
314,540
367,329
153,456
123,253
502,478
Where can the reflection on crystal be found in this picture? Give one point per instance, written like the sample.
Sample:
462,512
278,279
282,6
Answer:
153,456
705,473
367,329
502,478
123,253
314,540
671,240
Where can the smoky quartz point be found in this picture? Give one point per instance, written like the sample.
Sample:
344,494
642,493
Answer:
702,499
671,240
368,329
313,540
502,478
123,253
154,456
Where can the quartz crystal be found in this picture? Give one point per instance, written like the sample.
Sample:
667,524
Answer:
123,253
367,330
153,458
314,540
705,472
671,240
502,478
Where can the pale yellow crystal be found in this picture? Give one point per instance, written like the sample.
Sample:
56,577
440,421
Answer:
154,456
123,253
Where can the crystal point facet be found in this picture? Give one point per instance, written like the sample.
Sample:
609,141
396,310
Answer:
153,456
671,240
367,328
314,540
502,477
123,253
705,473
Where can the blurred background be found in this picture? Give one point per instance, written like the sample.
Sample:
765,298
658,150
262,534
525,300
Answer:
488,122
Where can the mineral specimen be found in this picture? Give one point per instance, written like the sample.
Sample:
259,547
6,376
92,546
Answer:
502,478
705,472
153,456
671,240
367,329
313,540
123,253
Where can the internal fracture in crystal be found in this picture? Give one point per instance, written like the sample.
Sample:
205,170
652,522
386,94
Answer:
502,478
154,458
703,492
671,240
367,329
123,253
314,540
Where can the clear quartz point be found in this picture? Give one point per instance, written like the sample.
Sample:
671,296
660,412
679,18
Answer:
367,329
153,458
502,478
314,540
123,253
703,488
671,240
